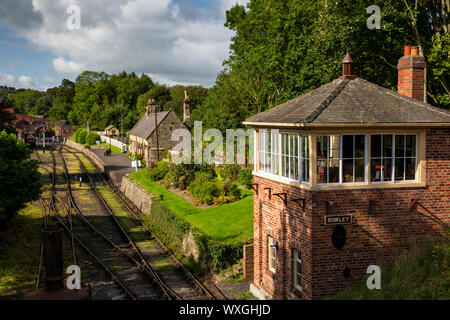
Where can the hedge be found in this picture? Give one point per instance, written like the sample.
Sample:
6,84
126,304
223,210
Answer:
172,230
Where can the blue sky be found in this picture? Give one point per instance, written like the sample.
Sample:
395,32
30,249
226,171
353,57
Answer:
173,41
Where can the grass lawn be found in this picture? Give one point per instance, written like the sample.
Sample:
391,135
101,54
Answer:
423,273
20,244
228,223
105,145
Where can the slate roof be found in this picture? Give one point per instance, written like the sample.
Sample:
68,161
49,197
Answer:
350,102
146,125
109,127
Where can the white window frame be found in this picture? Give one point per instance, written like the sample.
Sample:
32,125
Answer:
304,139
340,159
269,157
392,180
271,256
288,155
298,261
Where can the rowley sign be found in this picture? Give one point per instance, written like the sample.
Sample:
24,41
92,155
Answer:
333,220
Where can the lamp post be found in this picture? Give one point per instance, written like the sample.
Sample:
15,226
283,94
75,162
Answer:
153,108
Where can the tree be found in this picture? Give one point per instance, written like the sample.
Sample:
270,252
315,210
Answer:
19,176
282,49
197,95
5,117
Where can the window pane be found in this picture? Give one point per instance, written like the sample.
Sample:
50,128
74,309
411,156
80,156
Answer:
347,170
359,170
387,145
359,146
399,146
410,172
387,169
322,171
375,170
305,170
411,145
305,149
399,167
334,147
375,146
347,147
333,171
322,147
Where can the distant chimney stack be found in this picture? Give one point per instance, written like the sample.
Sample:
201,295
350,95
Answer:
411,73
347,67
187,110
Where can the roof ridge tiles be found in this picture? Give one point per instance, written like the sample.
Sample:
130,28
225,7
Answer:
326,102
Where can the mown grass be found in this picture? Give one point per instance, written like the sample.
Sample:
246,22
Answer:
228,223
20,243
422,273
114,149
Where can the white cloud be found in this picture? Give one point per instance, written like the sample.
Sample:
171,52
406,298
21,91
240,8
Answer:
176,42
17,82
63,66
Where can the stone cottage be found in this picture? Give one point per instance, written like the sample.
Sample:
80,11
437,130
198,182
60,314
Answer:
143,136
346,176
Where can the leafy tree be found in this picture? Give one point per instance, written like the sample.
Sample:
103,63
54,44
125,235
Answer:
5,117
197,95
281,49
19,176
159,92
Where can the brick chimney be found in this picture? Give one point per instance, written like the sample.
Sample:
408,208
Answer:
187,110
347,67
411,72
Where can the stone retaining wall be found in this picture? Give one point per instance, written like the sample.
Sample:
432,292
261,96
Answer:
136,194
99,162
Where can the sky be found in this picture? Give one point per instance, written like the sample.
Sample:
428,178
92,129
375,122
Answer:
173,41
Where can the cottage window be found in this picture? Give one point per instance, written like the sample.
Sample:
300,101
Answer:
268,151
297,270
393,157
271,253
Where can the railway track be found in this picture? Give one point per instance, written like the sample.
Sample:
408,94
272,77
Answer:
129,279
177,277
111,248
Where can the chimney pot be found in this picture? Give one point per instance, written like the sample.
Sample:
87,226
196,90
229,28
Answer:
347,67
407,51
414,50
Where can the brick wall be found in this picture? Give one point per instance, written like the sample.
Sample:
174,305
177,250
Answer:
375,235
411,71
248,262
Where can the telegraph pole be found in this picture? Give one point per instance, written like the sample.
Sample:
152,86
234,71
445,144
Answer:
43,145
153,108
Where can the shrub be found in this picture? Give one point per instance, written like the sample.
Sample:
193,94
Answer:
203,189
87,145
80,136
91,138
188,171
228,172
160,171
235,191
245,176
